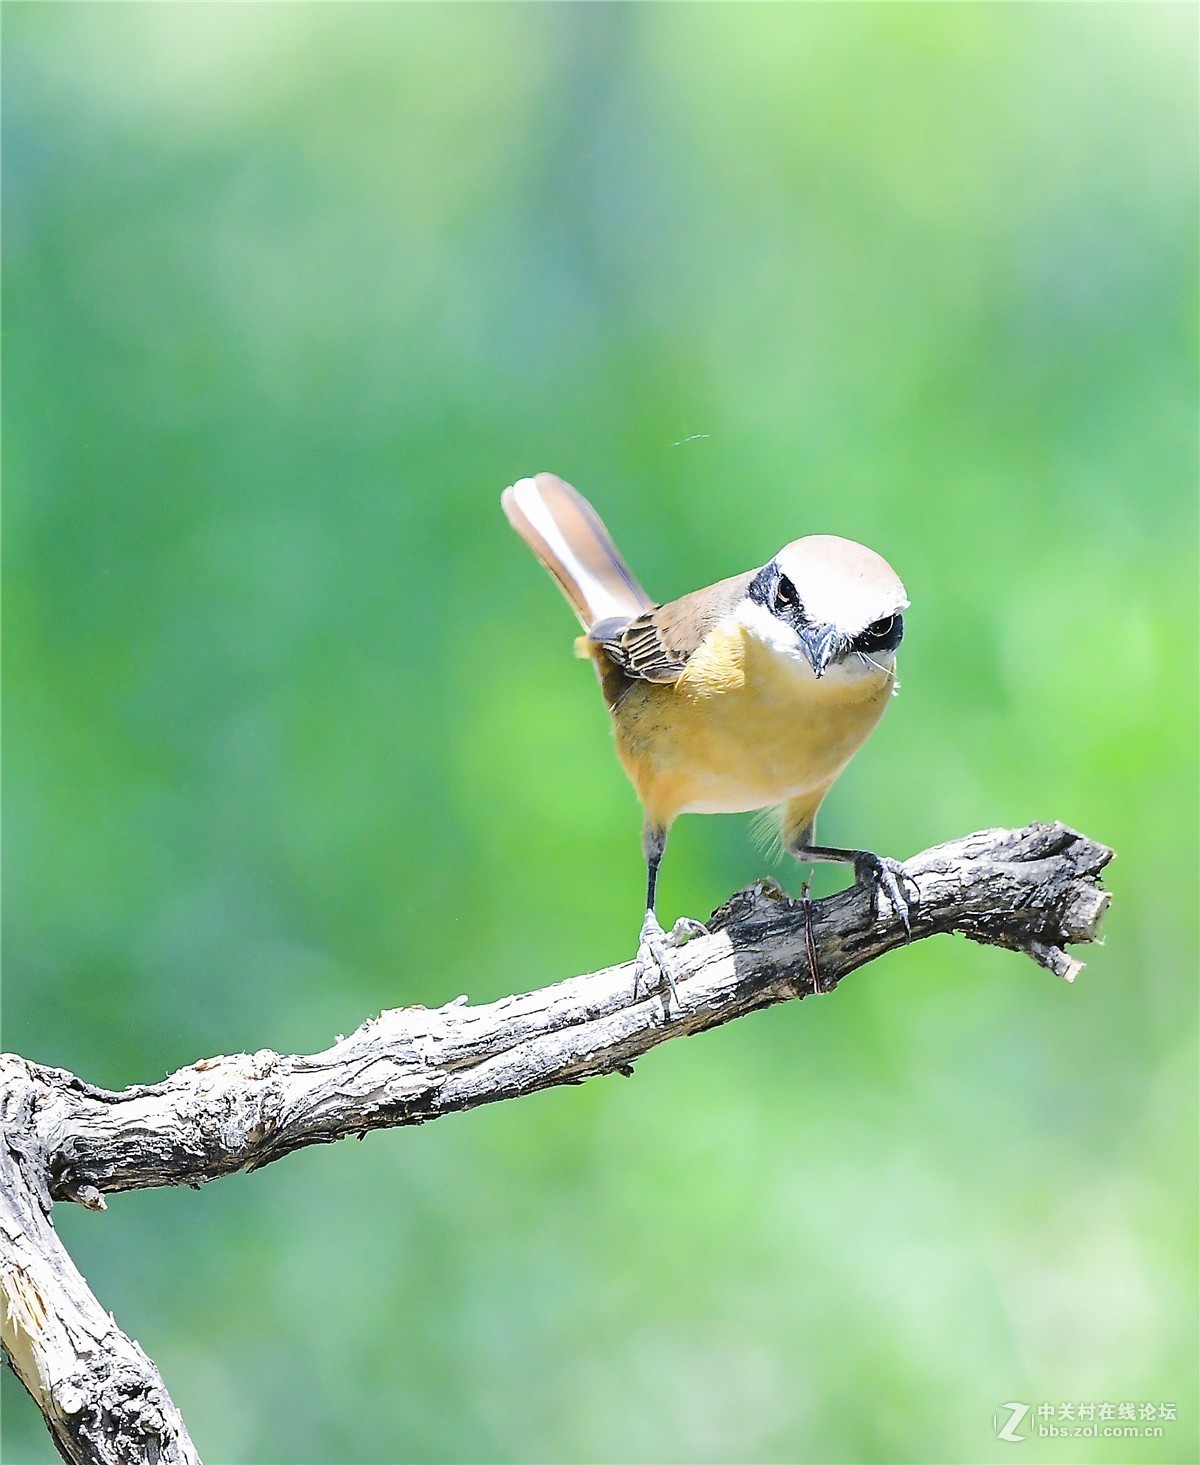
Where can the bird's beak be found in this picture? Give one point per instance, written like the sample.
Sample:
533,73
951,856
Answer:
819,643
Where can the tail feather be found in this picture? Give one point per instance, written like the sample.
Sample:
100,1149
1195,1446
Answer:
566,534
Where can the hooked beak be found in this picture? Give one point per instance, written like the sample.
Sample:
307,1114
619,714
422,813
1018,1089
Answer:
819,643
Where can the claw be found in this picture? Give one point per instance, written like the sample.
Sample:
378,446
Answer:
685,930
652,960
887,876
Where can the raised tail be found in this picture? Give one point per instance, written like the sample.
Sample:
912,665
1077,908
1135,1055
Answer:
566,534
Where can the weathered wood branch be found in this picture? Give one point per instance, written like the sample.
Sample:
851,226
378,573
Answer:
102,1399
1033,890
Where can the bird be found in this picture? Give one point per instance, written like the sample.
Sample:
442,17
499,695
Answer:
752,693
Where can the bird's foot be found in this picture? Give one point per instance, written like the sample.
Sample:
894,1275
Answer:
652,967
887,878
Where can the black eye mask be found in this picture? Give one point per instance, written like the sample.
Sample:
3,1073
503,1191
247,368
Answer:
881,635
773,590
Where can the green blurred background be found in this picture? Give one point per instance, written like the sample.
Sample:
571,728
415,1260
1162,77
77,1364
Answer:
294,732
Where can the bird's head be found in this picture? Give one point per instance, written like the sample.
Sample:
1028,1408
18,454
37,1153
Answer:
829,604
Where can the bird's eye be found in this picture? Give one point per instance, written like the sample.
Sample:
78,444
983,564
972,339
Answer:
786,598
881,635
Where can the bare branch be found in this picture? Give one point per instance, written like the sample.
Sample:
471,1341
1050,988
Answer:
1032,890
102,1398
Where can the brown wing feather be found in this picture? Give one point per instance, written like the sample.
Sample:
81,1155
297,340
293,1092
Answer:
657,645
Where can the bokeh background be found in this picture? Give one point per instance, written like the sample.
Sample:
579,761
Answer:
294,732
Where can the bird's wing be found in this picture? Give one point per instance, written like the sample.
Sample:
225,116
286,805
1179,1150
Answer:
657,645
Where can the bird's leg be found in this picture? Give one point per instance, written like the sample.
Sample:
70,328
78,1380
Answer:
652,959
878,872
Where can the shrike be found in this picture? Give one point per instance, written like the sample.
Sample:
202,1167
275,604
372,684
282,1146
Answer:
755,691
